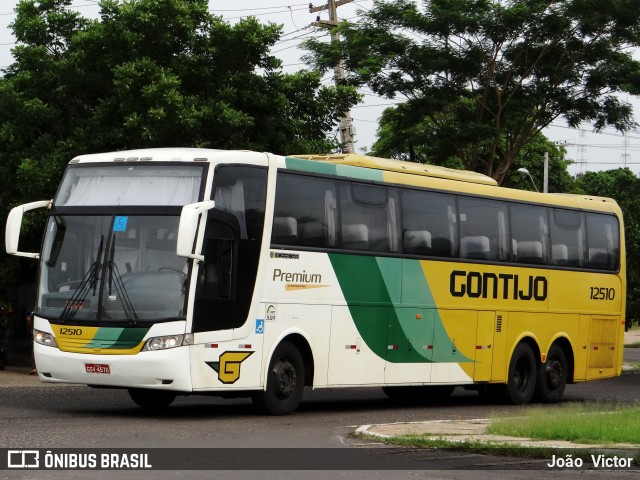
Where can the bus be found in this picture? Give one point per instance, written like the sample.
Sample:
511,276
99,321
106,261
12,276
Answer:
174,272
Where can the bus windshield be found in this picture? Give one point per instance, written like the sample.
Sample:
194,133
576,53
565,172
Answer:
142,184
112,268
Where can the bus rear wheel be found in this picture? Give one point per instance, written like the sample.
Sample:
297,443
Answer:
151,399
521,383
285,382
552,376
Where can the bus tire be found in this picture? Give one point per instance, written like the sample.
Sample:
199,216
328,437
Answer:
552,376
521,383
285,382
151,399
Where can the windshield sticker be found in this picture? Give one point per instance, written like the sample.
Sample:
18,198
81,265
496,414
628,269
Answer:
120,223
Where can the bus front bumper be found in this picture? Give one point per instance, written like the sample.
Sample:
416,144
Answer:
164,369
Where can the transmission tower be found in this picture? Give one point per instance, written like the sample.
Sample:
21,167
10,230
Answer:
582,151
626,156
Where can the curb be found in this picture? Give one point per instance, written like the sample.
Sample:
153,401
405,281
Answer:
473,430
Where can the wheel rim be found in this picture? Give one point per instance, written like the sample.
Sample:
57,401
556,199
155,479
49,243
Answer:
522,375
554,374
286,379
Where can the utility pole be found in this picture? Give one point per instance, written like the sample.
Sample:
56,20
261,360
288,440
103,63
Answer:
347,131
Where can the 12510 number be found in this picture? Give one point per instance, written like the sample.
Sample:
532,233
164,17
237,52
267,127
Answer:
70,331
603,293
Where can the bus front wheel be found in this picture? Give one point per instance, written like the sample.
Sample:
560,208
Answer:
521,383
151,399
552,376
285,382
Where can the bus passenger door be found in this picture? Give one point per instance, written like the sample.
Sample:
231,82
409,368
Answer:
214,307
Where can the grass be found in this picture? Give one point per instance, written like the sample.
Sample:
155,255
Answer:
591,423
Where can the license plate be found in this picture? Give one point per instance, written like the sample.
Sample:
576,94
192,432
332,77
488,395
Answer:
97,368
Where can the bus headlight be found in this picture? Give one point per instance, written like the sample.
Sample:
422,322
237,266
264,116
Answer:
167,341
44,338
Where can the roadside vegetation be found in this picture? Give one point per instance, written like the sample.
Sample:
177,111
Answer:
591,424
475,84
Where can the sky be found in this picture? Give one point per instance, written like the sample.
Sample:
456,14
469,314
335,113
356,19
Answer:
590,151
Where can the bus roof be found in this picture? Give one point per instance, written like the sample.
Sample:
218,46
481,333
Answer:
399,166
169,155
477,183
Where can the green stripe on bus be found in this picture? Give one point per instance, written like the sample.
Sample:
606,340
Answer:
392,330
325,168
117,338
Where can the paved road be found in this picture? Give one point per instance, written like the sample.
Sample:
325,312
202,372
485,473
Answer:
34,415
632,355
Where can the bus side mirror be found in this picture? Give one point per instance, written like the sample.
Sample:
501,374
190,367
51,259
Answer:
14,225
188,229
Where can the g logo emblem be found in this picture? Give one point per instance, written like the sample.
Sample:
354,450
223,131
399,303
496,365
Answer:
228,367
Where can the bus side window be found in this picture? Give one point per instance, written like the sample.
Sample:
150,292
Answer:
367,217
482,219
428,223
603,241
304,213
241,191
529,233
567,231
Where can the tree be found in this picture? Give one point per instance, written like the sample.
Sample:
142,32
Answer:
531,157
623,186
418,142
148,73
489,75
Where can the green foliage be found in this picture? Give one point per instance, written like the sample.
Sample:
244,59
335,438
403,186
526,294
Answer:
531,157
148,73
481,78
589,423
399,137
623,186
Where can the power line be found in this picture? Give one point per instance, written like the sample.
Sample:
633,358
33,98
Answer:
307,34
259,8
610,134
262,14
302,6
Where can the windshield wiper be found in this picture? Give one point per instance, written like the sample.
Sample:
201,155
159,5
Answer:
115,279
76,302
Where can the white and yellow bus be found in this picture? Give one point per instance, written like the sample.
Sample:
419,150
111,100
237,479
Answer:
189,271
